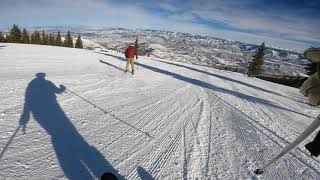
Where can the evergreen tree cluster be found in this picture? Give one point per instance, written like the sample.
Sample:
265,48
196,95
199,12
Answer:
256,63
16,36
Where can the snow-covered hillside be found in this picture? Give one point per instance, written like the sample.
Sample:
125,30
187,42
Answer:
189,48
202,50
73,114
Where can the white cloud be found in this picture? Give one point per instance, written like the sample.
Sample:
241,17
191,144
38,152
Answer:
276,29
281,24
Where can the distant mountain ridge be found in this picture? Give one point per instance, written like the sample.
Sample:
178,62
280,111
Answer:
201,50
190,48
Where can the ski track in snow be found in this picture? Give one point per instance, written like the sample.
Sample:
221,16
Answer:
168,121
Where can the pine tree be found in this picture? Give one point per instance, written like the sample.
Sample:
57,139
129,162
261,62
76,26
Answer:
15,35
79,43
2,37
47,39
43,38
68,42
58,40
311,68
136,45
38,38
33,38
51,40
25,37
257,60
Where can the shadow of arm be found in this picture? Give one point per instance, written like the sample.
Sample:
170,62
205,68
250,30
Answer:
25,116
58,90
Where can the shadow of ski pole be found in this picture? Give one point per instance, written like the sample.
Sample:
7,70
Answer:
112,115
9,142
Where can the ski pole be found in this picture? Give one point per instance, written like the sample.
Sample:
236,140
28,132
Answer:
311,128
106,112
9,142
136,64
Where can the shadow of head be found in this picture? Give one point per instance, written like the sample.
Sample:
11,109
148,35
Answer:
41,75
108,176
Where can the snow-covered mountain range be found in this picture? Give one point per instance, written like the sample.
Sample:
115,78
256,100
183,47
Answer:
194,49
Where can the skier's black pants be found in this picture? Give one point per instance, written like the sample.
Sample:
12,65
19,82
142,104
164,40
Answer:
314,146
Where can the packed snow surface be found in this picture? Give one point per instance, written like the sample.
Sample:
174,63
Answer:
74,114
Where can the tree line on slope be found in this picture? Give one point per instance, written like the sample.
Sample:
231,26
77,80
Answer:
16,36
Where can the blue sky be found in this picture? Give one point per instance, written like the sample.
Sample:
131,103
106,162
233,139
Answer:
288,24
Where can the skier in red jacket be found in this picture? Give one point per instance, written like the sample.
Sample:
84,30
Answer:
130,54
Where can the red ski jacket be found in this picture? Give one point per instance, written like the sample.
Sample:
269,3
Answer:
130,52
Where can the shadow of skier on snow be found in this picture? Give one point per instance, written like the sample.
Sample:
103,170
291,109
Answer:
118,57
77,158
225,78
216,88
110,65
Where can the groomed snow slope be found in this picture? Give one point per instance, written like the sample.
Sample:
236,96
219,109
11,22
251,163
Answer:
168,121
